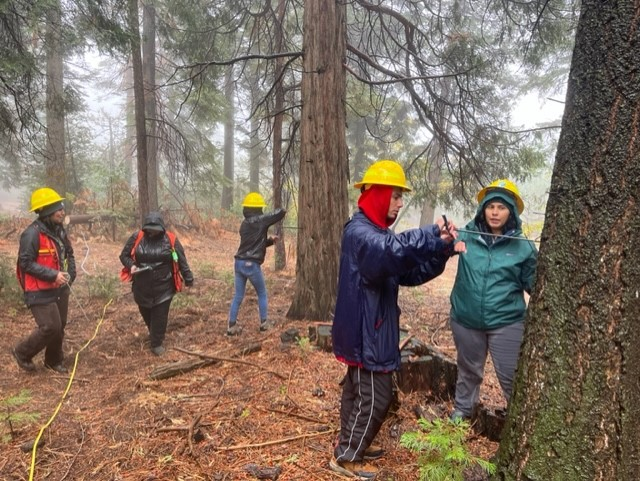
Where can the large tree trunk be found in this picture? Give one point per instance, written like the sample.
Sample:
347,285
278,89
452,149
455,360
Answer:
55,169
149,76
255,148
280,259
428,212
575,414
323,161
358,158
130,140
138,92
229,141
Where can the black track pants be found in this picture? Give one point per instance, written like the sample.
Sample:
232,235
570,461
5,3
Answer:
366,398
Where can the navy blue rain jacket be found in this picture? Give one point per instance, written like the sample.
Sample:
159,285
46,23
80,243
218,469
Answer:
374,262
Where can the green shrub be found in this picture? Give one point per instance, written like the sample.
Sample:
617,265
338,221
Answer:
304,345
443,453
227,277
205,270
183,300
102,286
10,290
9,416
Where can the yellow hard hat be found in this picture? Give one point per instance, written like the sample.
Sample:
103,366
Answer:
505,185
253,199
43,197
384,172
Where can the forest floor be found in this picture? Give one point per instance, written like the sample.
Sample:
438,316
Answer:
274,409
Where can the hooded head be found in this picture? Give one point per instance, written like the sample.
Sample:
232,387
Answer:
153,223
504,197
377,191
50,209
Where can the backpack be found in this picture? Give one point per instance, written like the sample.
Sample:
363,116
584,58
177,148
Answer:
125,272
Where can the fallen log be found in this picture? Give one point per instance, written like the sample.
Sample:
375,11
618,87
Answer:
181,367
246,350
87,218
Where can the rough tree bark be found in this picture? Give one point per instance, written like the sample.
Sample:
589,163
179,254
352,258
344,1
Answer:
280,258
150,106
130,140
55,171
255,149
575,414
322,199
229,141
428,212
138,93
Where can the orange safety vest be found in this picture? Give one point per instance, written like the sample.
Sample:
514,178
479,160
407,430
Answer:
125,272
47,257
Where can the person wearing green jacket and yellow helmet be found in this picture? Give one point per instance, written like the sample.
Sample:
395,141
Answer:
496,266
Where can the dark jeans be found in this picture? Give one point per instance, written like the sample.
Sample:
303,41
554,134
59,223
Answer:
156,318
366,398
51,320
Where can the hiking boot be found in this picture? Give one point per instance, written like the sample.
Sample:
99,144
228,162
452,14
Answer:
59,368
158,350
27,365
234,330
458,415
264,325
353,469
373,452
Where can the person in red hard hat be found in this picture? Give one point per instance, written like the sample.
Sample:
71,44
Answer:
46,268
374,262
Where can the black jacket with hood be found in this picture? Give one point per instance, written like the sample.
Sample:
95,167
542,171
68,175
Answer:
154,286
253,233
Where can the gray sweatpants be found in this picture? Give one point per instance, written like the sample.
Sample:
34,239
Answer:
472,346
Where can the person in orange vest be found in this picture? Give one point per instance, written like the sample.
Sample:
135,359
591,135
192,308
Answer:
250,256
155,262
46,269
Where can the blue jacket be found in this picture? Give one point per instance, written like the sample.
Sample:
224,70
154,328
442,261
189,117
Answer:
492,276
374,262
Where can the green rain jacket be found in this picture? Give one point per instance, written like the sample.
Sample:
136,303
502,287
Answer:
492,277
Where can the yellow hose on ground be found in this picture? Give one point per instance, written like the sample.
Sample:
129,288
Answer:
66,391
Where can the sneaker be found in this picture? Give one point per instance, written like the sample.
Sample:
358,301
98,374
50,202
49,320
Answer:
373,452
26,365
234,330
353,469
59,368
158,350
264,325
